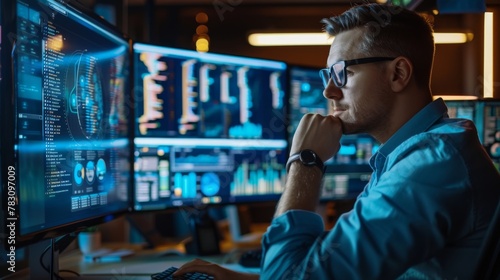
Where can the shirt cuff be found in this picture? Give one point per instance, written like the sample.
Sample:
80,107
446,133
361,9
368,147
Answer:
288,239
296,222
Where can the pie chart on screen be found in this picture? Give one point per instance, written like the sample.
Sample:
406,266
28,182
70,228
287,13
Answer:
78,174
210,184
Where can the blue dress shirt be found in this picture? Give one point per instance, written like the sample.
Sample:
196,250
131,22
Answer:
423,214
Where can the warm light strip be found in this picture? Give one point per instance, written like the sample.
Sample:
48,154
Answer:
289,39
315,39
452,38
488,56
455,97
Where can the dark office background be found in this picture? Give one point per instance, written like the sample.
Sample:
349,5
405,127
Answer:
458,67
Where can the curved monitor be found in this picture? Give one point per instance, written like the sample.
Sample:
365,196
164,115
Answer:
348,172
65,119
488,126
210,128
485,113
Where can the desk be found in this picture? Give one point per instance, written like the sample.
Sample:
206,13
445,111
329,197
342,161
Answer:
141,264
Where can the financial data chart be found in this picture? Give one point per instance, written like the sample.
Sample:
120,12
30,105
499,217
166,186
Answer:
485,113
348,171
462,109
210,128
72,123
488,125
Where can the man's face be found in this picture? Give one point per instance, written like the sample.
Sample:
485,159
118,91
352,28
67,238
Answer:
363,103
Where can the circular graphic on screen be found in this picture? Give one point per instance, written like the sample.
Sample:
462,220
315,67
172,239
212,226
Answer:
85,97
210,184
90,172
495,150
78,174
101,169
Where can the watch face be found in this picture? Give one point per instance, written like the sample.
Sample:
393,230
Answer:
308,157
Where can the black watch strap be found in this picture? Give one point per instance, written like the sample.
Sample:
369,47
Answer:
308,158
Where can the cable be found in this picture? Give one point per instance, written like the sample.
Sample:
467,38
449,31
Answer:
45,267
70,271
41,259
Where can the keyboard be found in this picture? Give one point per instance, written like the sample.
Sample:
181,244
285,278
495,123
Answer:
167,275
251,258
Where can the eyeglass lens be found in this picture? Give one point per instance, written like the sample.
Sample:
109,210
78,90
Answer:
336,72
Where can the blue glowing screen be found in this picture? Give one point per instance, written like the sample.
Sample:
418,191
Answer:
72,121
210,128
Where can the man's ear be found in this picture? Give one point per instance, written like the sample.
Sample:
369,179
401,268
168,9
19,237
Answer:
401,72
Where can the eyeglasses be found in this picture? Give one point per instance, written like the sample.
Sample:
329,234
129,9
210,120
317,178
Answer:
337,72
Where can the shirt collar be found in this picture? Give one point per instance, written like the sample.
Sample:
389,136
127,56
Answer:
421,122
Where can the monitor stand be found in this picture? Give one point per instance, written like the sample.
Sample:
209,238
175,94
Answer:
239,226
202,229
144,231
205,235
44,256
159,231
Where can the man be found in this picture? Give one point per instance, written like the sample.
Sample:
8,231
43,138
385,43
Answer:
433,188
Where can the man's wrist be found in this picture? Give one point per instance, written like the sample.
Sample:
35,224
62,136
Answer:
297,166
307,158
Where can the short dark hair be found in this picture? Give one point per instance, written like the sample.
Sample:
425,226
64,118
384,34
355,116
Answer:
390,31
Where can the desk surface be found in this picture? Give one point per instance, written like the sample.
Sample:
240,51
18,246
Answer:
141,264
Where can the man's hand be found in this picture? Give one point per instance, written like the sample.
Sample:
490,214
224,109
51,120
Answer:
215,270
318,133
322,135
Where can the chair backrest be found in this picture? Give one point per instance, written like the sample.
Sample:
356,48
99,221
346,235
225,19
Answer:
488,266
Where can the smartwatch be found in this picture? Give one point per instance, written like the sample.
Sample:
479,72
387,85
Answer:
308,158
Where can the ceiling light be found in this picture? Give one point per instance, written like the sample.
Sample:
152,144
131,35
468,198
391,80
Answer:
455,97
452,38
289,39
321,38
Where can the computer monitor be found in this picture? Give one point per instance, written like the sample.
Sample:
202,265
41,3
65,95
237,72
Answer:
348,172
210,128
485,113
488,126
66,137
461,109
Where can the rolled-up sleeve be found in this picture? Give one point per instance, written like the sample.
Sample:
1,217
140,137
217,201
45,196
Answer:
288,238
402,221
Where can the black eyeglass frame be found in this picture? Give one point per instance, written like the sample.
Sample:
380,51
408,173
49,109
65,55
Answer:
326,73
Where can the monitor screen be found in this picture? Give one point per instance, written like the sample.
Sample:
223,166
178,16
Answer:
348,171
210,128
488,126
485,114
461,109
67,151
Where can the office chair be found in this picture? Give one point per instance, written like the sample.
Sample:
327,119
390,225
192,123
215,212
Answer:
488,266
